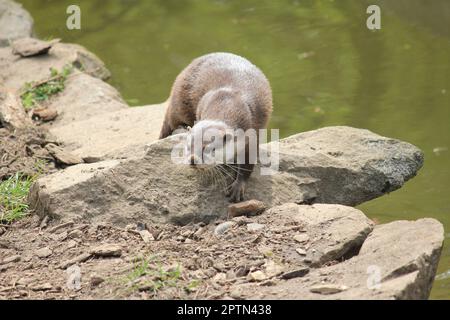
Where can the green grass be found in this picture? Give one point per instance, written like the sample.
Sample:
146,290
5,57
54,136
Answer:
35,93
155,275
13,197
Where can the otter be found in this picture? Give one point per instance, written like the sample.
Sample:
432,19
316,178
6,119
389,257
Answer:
219,92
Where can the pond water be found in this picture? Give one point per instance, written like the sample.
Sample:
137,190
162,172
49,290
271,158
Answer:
325,67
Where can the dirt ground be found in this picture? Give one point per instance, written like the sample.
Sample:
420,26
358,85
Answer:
24,151
170,262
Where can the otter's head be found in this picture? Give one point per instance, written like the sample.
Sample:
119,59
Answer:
206,143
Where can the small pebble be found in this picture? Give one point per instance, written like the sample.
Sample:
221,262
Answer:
303,237
14,258
252,227
222,228
328,289
44,252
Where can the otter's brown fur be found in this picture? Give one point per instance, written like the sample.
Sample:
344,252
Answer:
222,87
219,86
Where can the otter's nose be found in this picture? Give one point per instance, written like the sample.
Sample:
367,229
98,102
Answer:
194,160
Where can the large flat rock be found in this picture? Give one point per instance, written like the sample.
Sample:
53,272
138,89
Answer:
15,22
93,121
349,165
109,134
84,97
15,71
398,260
152,187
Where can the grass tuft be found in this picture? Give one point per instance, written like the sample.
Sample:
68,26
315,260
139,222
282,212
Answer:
35,93
154,276
13,197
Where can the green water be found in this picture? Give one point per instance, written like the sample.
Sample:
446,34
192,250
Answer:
325,67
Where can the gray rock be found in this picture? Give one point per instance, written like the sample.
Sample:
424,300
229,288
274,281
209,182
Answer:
297,273
332,231
15,72
147,236
103,126
63,156
44,252
10,259
398,260
15,22
12,114
42,287
328,288
139,189
252,227
302,237
349,166
223,228
78,259
28,47
107,250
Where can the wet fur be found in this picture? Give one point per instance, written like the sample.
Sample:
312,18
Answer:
225,87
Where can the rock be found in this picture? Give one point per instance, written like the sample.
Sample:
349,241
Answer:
63,156
220,277
71,244
96,280
332,231
61,226
252,227
4,267
311,169
42,287
121,133
15,72
328,288
347,165
246,208
44,252
300,251
147,236
75,234
303,237
107,250
295,273
45,114
15,22
24,281
78,259
11,259
398,260
59,236
223,227
256,276
12,114
28,47
272,269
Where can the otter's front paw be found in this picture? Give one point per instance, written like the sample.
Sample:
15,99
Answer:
236,191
